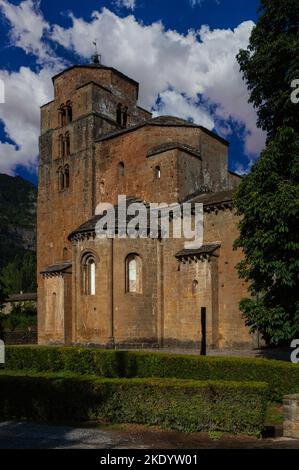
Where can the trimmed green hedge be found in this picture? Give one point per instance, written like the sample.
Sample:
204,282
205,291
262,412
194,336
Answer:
183,405
282,377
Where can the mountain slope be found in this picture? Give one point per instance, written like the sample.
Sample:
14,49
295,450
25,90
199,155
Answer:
17,217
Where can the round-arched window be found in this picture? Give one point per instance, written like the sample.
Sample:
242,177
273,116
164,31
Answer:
157,172
121,169
134,274
88,275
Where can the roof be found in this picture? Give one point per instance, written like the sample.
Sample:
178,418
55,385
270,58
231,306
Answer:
210,199
22,297
161,121
207,249
57,268
207,199
100,67
173,146
90,225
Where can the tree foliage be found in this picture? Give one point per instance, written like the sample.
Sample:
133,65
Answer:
271,63
268,198
2,294
20,274
268,201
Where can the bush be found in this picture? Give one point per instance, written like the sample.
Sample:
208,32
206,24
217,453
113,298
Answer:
282,377
236,407
21,317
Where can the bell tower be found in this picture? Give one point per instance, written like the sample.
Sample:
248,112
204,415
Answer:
90,101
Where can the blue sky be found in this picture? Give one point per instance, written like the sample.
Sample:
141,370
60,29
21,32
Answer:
181,51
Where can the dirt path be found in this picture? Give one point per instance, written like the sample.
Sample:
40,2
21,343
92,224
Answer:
20,435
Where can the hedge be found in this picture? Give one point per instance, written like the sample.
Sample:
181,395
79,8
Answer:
282,377
235,407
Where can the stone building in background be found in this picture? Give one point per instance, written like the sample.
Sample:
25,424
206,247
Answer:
97,143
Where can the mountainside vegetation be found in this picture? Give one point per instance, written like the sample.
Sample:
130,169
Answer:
17,234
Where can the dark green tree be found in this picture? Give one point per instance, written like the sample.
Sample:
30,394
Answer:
2,295
271,63
20,274
268,199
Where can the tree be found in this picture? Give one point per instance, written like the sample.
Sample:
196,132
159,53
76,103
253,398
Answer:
267,200
2,300
2,295
271,63
20,274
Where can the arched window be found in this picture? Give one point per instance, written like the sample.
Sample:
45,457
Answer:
69,112
102,187
54,302
61,146
121,169
194,287
134,274
67,143
88,275
65,254
60,179
157,172
119,113
66,176
62,115
125,116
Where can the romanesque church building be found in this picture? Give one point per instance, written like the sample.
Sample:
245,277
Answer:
96,143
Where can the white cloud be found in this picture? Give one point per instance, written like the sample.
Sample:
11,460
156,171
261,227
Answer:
25,92
172,68
28,28
170,101
194,3
129,4
198,62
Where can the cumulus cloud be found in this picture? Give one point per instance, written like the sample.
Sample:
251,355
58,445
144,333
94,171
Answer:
200,62
25,92
129,4
194,3
170,101
193,75
28,28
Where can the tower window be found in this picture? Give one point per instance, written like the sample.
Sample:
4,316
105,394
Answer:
60,179
66,176
65,114
63,177
119,114
88,275
67,144
61,115
158,172
61,146
125,116
134,274
69,112
121,169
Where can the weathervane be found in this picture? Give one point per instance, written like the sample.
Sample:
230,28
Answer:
96,58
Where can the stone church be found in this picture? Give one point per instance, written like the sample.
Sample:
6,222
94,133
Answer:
96,143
